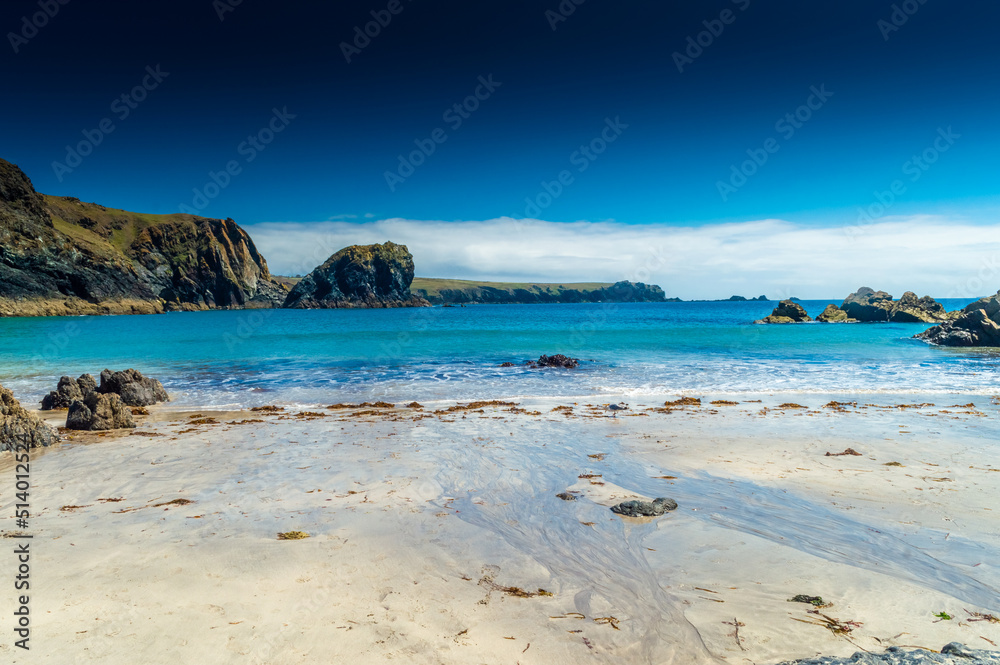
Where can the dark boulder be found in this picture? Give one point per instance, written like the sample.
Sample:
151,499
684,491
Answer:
99,412
787,312
133,388
653,508
558,360
977,325
20,429
68,391
364,276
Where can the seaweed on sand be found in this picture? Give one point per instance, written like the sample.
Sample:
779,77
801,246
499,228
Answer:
292,535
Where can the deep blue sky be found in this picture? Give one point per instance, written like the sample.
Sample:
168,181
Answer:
607,60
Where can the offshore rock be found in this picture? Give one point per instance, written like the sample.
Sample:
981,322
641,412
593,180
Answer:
363,276
868,305
653,508
833,314
977,325
787,311
99,412
20,429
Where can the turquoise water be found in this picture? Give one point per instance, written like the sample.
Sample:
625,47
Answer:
246,358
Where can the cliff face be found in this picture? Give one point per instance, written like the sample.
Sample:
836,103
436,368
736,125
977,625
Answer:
452,292
59,255
371,276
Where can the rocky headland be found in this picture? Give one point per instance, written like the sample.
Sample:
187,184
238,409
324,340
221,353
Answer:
976,325
359,276
462,292
61,256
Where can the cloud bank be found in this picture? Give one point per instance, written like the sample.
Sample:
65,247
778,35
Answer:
776,258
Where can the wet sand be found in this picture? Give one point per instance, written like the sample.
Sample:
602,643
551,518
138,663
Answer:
436,535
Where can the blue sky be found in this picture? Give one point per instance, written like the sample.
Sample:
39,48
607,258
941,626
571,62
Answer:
553,91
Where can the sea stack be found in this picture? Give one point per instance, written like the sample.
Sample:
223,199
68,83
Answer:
359,276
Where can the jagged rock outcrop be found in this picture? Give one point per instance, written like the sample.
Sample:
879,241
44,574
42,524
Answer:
787,311
372,276
833,314
19,428
441,291
130,385
133,388
68,391
868,305
61,256
976,325
99,411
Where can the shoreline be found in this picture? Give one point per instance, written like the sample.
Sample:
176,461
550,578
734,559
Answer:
420,520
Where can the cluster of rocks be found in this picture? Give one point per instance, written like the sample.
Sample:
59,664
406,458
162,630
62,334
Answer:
951,654
867,305
105,406
976,325
19,428
557,360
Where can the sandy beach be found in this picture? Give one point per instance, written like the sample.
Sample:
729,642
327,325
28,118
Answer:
436,535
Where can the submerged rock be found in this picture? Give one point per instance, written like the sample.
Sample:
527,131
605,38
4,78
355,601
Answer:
68,391
976,325
951,654
566,496
99,412
19,428
653,508
558,360
787,312
133,388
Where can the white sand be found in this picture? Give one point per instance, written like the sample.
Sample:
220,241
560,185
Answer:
416,524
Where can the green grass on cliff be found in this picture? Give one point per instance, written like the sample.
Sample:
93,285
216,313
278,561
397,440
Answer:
433,287
99,226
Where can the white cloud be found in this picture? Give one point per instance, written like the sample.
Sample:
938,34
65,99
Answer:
929,255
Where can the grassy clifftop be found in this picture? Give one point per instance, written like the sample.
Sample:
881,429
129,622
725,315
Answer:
459,291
